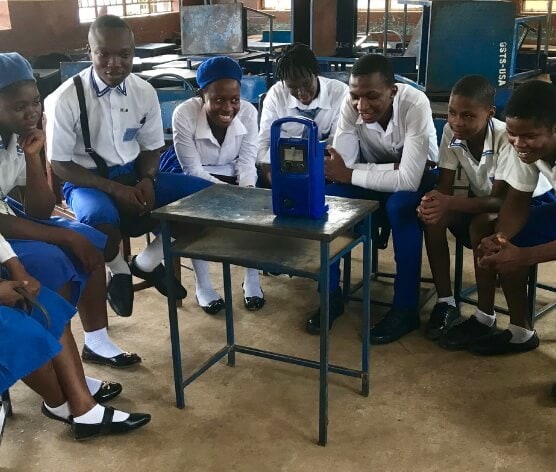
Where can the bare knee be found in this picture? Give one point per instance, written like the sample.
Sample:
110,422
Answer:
482,226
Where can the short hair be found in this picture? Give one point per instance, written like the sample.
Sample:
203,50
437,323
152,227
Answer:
534,100
373,63
475,87
297,60
107,21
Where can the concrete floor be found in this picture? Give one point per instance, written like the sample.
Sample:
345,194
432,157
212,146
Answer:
428,410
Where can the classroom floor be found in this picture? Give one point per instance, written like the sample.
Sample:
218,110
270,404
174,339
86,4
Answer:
429,409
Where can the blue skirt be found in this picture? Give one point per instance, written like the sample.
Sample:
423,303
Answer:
52,265
26,343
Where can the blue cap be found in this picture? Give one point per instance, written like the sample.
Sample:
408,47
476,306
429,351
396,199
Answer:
14,68
216,68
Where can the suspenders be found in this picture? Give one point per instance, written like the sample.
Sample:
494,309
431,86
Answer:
99,161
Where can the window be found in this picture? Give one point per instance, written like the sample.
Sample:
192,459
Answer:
361,5
5,22
284,5
90,9
530,6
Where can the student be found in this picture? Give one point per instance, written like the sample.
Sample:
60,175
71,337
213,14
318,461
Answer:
524,235
299,90
43,354
384,139
478,142
215,139
54,250
126,133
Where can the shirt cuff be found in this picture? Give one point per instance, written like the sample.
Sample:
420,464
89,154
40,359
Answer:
359,177
516,184
6,251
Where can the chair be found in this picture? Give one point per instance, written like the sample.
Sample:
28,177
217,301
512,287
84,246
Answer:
252,87
5,411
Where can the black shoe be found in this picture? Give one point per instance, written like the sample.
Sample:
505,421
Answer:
442,318
335,310
461,335
157,278
499,343
395,324
253,303
213,307
52,416
553,392
120,294
108,391
125,359
107,426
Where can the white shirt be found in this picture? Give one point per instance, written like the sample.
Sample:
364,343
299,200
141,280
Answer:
409,139
6,251
279,103
123,121
12,169
498,161
199,152
546,171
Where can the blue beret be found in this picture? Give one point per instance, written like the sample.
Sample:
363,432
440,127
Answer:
14,68
216,68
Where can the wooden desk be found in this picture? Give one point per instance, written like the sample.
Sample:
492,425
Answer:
235,225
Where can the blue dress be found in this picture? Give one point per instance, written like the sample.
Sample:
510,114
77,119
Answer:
26,342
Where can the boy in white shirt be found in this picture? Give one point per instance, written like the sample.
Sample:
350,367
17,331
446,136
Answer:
382,146
524,235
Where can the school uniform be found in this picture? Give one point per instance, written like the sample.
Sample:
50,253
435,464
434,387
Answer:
26,341
123,121
409,140
197,152
53,266
279,103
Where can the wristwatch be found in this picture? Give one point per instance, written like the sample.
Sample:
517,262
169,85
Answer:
152,178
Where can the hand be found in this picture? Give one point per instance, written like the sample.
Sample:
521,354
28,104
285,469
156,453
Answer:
434,206
508,258
491,244
129,199
32,142
335,168
19,274
89,256
147,191
8,295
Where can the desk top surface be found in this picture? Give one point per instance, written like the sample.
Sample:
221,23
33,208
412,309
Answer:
250,209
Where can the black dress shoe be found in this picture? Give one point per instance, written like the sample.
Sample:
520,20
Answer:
499,343
335,310
108,391
52,416
395,324
213,307
108,426
442,318
125,359
157,278
253,303
461,335
120,294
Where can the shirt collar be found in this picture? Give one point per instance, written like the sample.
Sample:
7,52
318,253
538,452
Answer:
488,145
322,100
203,131
101,88
12,143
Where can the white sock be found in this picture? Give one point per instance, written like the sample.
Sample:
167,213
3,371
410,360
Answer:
203,285
251,284
483,318
151,256
93,384
95,414
61,411
100,343
118,265
519,334
448,300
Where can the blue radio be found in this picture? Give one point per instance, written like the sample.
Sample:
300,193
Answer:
297,171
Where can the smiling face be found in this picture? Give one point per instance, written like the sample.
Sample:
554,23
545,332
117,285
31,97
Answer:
111,51
532,140
303,88
372,97
222,101
20,108
468,118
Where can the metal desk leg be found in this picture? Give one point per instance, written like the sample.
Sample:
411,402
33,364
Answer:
366,306
324,284
229,314
173,316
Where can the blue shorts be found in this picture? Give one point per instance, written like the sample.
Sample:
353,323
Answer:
94,207
540,227
26,342
51,265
